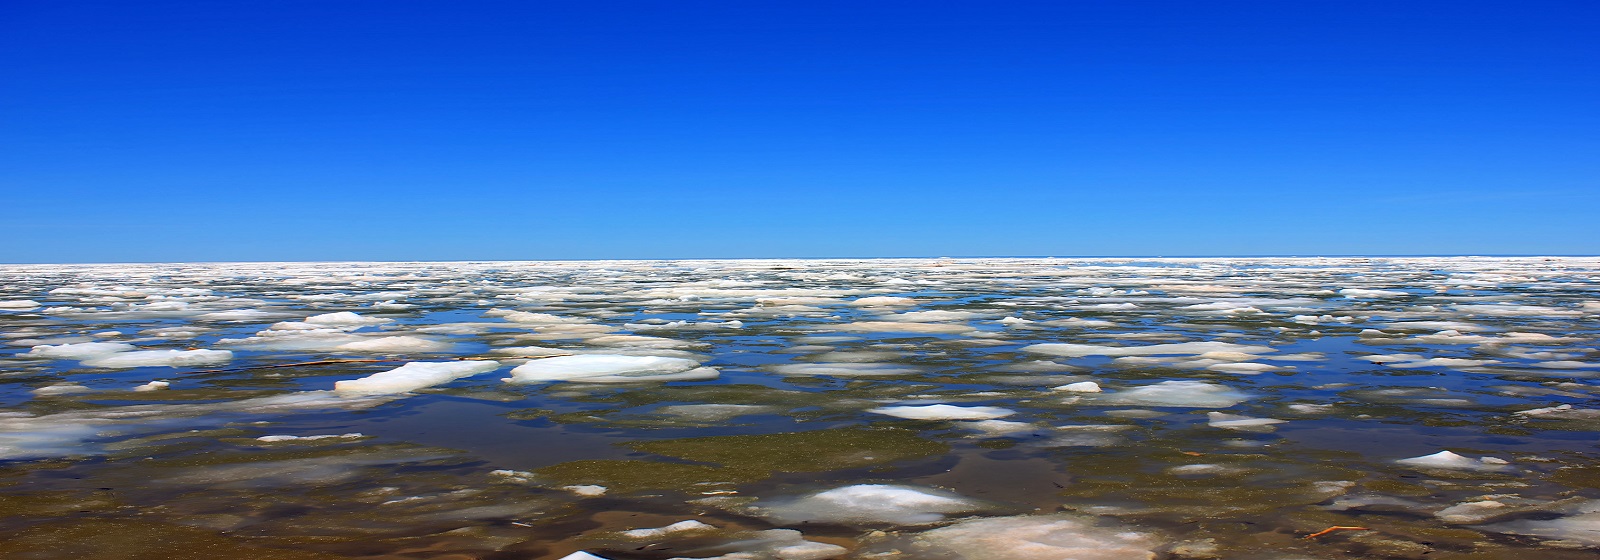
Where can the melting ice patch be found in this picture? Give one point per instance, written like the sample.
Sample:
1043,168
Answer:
78,351
1182,348
944,412
1451,461
170,358
610,368
1181,393
1055,537
413,376
870,503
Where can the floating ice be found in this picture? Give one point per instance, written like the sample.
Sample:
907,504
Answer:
61,389
587,490
610,368
900,326
871,503
714,412
846,369
934,316
944,412
413,376
1366,293
1183,348
18,304
1000,427
1452,461
276,439
395,345
883,301
1562,412
783,544
240,315
528,318
1079,387
1581,525
1244,368
1180,393
1241,423
344,319
170,358
78,351
581,555
679,527
1041,537
152,386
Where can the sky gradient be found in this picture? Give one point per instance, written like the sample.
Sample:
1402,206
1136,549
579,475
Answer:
407,130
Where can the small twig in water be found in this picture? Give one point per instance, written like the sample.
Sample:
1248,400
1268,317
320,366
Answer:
1335,528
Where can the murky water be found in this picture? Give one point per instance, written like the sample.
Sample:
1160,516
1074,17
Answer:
802,410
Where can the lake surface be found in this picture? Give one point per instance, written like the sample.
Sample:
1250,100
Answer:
803,409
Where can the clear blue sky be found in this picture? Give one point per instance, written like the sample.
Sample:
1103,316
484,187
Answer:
392,129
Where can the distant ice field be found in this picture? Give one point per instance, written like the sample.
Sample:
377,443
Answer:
805,409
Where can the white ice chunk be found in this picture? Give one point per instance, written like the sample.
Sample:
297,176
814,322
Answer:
1367,293
18,304
275,439
528,318
170,358
1041,537
871,503
679,527
581,555
610,368
395,345
240,315
1182,348
345,319
1452,461
999,427
1241,423
588,490
845,369
61,389
882,301
1243,368
1581,525
152,386
79,351
1562,412
413,376
1180,393
944,412
1079,387
900,326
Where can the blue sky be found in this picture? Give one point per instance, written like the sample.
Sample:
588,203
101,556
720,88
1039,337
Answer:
408,130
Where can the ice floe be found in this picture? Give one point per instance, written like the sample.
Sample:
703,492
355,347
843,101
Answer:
1182,348
1451,461
1178,393
944,412
413,376
150,358
870,504
1036,538
77,351
610,368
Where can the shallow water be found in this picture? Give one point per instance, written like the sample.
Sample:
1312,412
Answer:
927,396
